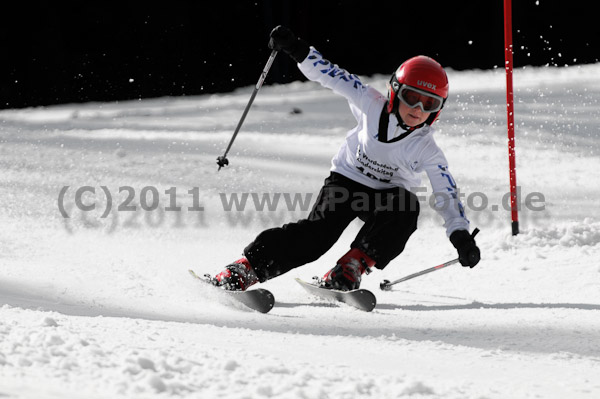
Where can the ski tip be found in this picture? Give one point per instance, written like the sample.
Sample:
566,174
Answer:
302,282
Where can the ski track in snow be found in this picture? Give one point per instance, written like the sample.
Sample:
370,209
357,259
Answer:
100,307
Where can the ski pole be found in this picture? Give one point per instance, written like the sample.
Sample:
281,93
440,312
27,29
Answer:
386,285
222,160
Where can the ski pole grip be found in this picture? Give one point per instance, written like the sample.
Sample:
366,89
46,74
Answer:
475,232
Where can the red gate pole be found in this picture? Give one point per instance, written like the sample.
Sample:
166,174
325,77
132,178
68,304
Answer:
508,57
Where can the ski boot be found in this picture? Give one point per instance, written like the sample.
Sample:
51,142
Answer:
237,276
346,274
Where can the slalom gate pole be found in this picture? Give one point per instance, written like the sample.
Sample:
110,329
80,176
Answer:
222,160
508,57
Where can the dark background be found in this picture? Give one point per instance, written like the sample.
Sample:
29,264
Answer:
90,51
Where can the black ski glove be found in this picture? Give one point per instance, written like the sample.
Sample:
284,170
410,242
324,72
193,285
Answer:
283,38
468,253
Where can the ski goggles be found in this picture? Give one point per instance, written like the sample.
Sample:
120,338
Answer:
414,97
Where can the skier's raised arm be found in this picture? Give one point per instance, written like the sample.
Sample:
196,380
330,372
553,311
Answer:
316,68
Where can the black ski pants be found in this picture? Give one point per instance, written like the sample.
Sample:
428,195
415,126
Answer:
390,217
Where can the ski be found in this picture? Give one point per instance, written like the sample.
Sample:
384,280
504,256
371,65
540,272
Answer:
258,299
360,299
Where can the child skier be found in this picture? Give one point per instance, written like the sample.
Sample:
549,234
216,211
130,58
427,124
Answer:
371,177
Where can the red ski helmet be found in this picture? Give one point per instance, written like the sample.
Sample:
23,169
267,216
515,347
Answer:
422,73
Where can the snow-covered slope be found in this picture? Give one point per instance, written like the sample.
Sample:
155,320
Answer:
100,304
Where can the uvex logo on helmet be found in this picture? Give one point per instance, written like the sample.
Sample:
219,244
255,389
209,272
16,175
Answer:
426,84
